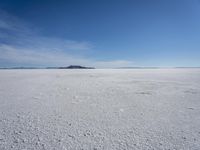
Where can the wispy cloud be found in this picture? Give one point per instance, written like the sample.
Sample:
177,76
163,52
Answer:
42,57
53,58
22,44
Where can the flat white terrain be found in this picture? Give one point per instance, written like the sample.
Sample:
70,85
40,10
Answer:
100,109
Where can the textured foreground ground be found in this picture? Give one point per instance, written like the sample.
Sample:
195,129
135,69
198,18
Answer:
100,109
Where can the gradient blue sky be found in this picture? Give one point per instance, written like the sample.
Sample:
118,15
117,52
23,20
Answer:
100,33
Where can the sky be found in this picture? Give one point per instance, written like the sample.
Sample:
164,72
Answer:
100,33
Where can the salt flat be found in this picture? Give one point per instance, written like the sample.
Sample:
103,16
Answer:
100,109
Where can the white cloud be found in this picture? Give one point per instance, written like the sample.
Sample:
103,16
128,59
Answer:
4,25
23,45
53,58
37,57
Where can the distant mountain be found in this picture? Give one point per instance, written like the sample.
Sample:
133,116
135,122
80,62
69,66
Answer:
71,67
75,67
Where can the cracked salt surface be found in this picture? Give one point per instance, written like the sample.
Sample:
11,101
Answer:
100,109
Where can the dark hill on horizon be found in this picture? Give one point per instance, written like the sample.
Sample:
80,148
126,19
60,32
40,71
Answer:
71,67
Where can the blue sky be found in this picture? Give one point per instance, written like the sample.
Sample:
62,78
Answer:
100,33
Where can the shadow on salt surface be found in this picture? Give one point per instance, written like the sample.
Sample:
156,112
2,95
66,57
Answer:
144,93
191,91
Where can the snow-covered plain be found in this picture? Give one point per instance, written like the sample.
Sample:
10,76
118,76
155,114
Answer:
100,109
